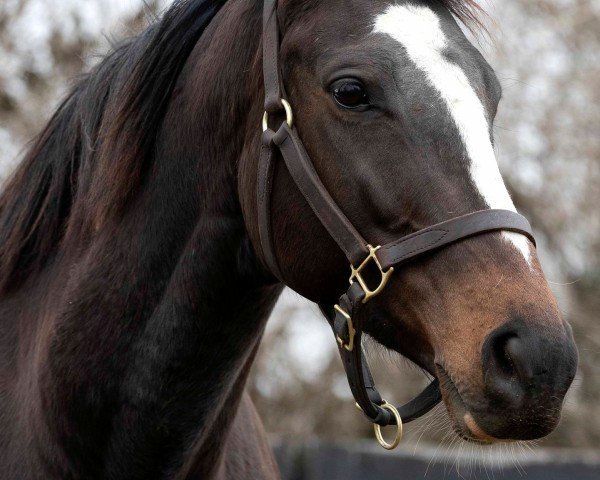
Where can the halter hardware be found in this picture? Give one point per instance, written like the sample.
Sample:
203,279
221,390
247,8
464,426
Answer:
351,330
399,428
289,115
356,274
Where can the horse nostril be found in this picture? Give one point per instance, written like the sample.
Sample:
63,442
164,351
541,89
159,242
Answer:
504,367
513,362
518,355
502,346
520,362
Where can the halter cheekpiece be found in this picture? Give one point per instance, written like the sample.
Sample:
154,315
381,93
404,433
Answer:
344,317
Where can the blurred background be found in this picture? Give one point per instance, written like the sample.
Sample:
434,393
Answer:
547,56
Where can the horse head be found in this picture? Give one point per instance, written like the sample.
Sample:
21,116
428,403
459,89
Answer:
396,107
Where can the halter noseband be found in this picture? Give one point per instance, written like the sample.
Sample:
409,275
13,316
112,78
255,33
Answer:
345,317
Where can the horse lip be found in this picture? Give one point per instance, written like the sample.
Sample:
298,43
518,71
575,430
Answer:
456,407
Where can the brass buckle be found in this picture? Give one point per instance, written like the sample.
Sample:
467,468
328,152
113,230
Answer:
289,115
356,274
399,430
351,331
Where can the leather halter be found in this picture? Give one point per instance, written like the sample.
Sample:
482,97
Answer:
345,317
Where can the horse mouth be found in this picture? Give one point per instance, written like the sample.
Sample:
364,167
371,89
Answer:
462,421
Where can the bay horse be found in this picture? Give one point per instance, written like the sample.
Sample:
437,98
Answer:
134,284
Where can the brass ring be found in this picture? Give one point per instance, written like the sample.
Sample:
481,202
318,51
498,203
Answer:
399,431
289,115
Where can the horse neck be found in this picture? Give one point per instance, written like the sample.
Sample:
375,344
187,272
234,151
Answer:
162,311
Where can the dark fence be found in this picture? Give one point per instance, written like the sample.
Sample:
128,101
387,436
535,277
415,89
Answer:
324,461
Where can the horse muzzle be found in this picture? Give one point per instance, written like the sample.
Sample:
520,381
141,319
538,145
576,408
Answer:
527,372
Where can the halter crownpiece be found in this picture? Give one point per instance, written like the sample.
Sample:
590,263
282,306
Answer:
345,317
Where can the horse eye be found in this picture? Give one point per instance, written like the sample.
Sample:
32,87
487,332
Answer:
350,94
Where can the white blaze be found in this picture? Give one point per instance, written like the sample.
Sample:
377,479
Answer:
418,29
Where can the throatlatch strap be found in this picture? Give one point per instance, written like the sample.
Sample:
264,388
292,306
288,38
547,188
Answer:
266,167
271,73
266,163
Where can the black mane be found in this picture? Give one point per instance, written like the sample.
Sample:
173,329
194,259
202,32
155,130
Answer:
88,159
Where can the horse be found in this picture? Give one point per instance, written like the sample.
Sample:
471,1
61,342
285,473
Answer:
134,285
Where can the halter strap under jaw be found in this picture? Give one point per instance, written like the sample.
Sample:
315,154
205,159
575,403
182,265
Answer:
345,318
